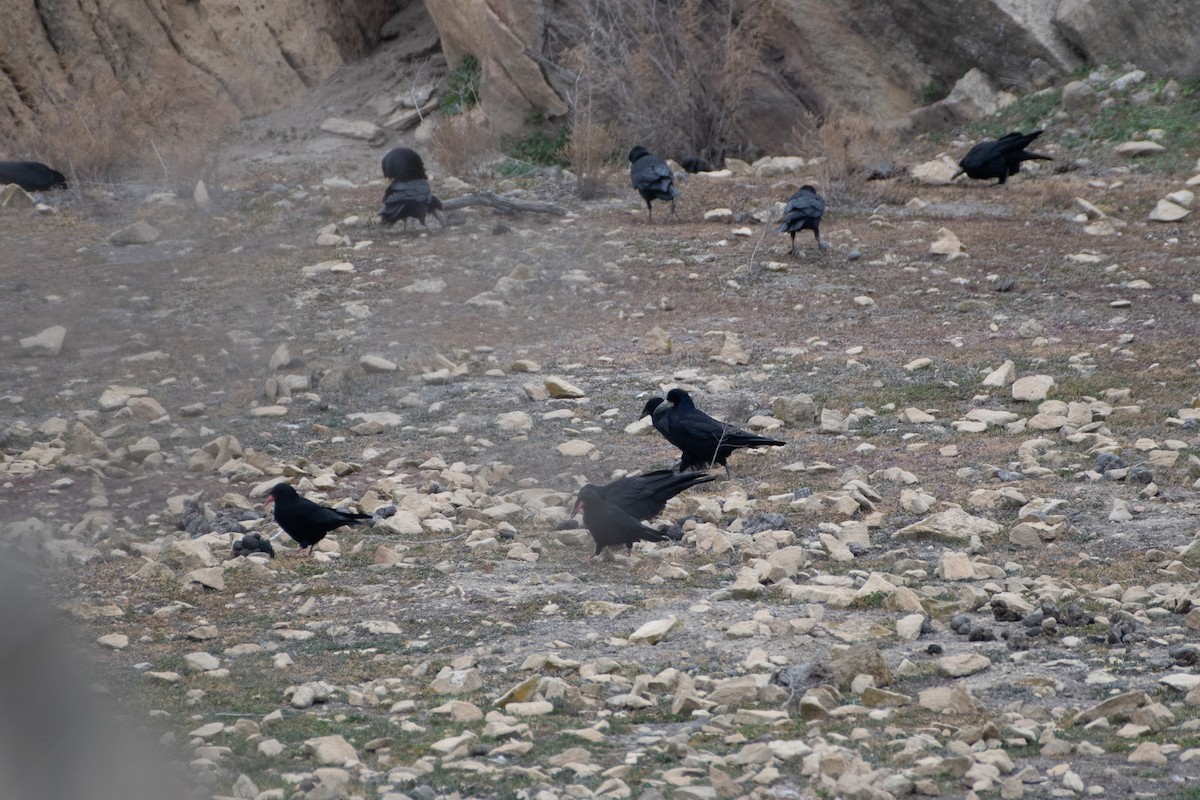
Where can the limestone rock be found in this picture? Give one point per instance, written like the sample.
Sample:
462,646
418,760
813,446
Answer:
952,525
1167,211
562,389
331,751
138,233
654,631
937,172
1032,387
47,343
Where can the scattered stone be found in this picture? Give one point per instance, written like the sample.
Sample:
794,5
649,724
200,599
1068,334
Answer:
137,233
1167,211
1140,148
561,389
1032,388
47,343
654,632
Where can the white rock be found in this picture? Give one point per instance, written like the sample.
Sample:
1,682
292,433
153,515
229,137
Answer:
1032,387
47,343
1135,149
371,363
654,631
1166,211
946,243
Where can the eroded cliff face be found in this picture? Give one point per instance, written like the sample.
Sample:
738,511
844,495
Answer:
219,60
233,57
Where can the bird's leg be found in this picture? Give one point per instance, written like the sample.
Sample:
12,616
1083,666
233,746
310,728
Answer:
672,206
792,249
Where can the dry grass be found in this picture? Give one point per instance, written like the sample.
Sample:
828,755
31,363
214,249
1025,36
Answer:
462,143
97,132
672,76
849,148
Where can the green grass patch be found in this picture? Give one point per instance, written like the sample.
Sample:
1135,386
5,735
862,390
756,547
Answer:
462,91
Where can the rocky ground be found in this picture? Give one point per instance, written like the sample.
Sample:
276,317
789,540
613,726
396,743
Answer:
971,571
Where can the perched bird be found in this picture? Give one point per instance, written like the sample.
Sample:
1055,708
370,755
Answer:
408,194
252,543
609,525
653,179
31,176
702,440
304,520
645,496
999,158
803,210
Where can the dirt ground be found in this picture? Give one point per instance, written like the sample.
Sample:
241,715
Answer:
195,317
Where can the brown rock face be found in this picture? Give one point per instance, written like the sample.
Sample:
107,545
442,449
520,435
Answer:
228,57
1163,38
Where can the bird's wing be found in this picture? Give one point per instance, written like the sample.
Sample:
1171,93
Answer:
804,205
408,192
652,173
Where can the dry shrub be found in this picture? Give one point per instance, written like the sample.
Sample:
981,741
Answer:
591,146
96,132
463,143
671,75
849,149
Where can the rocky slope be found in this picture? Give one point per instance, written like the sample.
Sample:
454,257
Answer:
216,61
971,571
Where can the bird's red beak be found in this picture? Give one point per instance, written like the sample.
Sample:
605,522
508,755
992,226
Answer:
578,505
270,499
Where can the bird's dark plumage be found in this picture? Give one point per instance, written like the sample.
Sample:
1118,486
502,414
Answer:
645,496
31,176
803,210
304,520
252,543
609,525
999,158
403,164
652,178
694,164
408,196
703,441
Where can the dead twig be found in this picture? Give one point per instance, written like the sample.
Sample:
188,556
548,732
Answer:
503,203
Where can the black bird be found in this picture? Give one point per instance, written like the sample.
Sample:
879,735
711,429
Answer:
694,164
408,194
803,210
656,409
999,158
702,440
653,179
304,520
252,543
31,176
609,525
645,496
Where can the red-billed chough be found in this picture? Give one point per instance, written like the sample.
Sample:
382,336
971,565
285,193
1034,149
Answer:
609,525
304,520
999,158
653,179
645,496
703,441
803,211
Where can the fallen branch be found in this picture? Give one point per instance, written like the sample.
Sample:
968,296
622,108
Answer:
503,203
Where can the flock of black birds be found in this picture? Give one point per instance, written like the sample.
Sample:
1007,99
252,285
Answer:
614,514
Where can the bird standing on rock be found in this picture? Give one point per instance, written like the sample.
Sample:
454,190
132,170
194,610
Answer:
999,158
304,520
611,526
653,179
803,210
703,441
